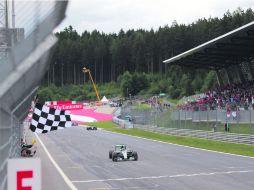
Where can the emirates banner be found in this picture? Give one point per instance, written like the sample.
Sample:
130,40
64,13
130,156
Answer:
65,105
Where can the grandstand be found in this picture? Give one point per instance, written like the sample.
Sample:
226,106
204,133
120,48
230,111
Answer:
231,56
232,53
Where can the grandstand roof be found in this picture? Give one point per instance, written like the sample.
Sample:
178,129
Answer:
231,48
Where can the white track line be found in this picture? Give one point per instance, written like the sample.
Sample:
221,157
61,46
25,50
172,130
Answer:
114,188
165,176
66,179
179,144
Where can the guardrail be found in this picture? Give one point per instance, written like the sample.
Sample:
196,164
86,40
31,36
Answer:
218,136
121,122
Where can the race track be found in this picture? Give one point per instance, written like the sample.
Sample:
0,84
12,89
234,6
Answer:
83,157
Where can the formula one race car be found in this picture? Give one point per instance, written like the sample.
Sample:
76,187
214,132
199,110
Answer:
122,153
91,128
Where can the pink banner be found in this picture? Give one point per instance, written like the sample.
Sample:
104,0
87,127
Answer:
67,106
91,113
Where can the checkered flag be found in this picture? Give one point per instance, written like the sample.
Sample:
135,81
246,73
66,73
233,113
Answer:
47,119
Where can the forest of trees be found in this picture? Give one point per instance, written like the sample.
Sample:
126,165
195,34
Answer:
109,56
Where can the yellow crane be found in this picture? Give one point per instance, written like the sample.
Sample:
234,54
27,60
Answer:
85,70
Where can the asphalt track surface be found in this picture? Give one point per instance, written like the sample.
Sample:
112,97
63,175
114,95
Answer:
83,157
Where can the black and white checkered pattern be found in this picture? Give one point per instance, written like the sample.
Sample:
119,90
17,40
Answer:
47,119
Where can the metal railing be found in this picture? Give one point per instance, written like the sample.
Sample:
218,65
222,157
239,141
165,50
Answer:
202,124
242,116
218,136
241,122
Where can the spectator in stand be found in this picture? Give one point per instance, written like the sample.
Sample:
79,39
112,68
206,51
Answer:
226,97
252,101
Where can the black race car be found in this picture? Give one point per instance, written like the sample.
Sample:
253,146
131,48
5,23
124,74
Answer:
91,128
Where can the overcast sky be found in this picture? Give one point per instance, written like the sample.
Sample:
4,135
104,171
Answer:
110,16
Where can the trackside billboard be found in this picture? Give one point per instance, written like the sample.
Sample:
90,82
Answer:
65,105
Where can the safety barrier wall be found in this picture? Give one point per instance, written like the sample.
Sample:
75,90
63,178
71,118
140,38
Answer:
22,66
10,134
121,122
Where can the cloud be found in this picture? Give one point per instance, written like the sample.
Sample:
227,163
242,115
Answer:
112,15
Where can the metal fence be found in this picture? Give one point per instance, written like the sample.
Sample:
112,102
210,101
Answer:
242,116
193,123
241,122
24,50
218,136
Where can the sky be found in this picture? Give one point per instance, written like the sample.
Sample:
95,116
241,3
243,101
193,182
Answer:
110,16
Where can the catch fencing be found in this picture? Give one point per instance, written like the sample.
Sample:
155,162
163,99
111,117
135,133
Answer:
241,116
24,51
241,122
9,145
218,136
209,124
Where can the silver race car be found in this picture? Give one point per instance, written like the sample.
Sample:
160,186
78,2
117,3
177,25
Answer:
122,153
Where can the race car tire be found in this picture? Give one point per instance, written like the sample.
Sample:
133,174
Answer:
135,156
110,154
114,157
120,155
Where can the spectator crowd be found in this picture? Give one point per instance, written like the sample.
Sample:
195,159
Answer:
230,97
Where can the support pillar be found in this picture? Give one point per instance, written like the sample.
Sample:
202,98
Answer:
229,76
219,79
240,73
251,66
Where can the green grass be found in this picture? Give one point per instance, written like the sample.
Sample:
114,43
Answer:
239,149
142,107
174,101
103,124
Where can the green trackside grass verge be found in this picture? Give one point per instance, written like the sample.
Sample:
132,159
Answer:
142,107
174,101
240,149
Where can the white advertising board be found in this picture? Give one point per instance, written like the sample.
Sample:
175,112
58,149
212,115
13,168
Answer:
24,174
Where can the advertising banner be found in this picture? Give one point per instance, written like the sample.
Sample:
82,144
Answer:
68,106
